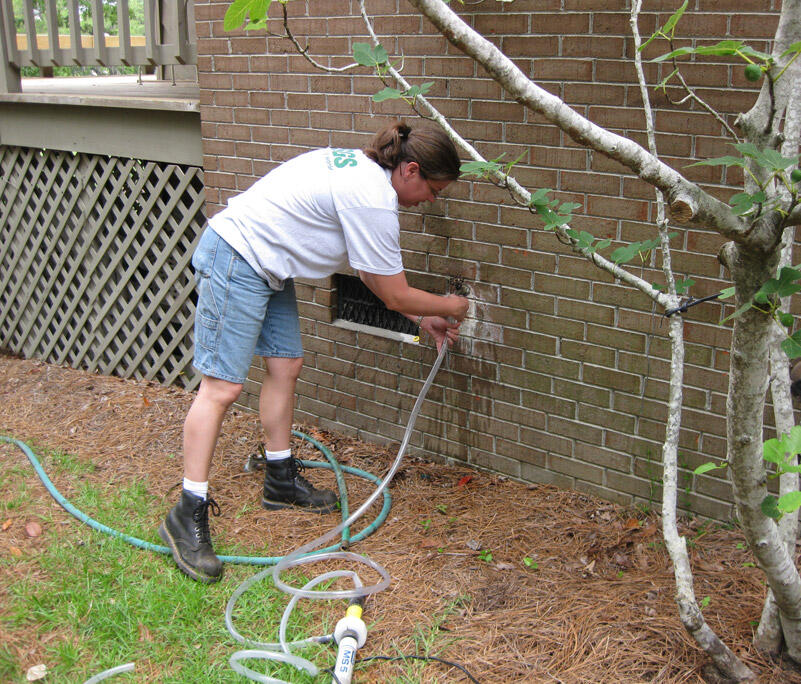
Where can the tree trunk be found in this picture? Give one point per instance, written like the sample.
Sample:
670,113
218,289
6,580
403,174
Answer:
747,386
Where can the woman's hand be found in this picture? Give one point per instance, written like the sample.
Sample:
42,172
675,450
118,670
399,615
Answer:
441,329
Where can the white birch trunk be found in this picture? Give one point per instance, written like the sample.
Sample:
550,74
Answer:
727,663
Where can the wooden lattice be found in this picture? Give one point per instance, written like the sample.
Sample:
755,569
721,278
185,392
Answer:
95,262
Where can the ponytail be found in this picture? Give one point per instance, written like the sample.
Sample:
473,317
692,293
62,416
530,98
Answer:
430,147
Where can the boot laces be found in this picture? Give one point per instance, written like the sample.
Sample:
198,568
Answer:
201,517
295,468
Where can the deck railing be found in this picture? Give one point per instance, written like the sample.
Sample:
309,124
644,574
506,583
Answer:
168,27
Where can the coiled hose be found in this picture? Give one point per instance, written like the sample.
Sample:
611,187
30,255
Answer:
281,650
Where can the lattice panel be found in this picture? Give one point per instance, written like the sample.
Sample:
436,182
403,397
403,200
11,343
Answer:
95,262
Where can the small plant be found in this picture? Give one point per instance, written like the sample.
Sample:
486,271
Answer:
530,563
485,555
426,524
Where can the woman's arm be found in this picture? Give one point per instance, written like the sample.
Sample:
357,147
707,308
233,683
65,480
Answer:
398,296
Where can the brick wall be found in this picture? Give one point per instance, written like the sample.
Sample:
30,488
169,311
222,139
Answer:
563,378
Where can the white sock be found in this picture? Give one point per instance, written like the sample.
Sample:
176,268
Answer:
200,489
277,455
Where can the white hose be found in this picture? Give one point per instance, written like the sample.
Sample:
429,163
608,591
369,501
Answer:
100,676
281,651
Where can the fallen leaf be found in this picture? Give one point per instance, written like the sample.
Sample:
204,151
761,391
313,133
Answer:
6,524
710,566
430,543
15,551
589,568
473,544
649,530
464,480
622,560
145,401
504,566
632,524
144,633
33,529
36,672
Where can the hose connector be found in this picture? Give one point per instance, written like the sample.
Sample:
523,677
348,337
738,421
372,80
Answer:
352,625
350,634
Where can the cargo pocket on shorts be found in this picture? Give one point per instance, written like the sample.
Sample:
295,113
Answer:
207,319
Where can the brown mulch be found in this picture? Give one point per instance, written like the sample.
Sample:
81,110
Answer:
595,605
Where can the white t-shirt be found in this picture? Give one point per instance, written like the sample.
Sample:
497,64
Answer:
313,215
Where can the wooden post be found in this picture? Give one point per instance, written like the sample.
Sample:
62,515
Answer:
10,79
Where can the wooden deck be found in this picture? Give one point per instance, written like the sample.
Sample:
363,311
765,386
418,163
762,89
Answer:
111,115
125,92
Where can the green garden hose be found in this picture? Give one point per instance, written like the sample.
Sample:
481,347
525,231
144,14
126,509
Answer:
243,560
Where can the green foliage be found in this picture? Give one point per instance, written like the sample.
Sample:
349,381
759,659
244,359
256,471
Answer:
722,49
240,10
408,95
767,299
776,165
707,467
369,56
551,211
642,249
783,453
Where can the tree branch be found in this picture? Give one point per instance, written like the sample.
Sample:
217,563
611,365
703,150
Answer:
708,210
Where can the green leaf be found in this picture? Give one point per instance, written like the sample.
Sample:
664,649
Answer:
706,467
663,83
792,345
482,169
739,311
792,440
369,56
670,24
770,508
795,47
786,319
789,502
667,30
676,53
725,294
683,286
568,207
777,162
724,47
387,94
742,202
721,161
623,255
235,15
773,450
540,198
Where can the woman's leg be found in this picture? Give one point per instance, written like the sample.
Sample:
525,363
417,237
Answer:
277,400
203,423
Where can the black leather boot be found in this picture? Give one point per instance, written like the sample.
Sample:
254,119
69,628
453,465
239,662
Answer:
186,532
285,487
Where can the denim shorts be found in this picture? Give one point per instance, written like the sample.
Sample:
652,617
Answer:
238,314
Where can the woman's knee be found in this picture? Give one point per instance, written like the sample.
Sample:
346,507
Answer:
284,369
221,392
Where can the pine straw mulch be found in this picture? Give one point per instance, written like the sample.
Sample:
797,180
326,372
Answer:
598,607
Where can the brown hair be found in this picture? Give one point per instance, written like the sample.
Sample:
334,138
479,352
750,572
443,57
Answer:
430,147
